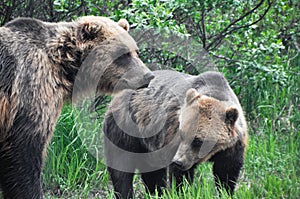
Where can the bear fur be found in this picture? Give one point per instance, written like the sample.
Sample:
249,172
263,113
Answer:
39,65
176,122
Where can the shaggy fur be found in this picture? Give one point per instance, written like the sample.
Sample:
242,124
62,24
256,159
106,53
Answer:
39,65
174,117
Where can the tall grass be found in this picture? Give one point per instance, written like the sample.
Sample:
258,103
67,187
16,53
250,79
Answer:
272,163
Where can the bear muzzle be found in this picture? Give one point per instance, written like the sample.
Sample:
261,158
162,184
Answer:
147,77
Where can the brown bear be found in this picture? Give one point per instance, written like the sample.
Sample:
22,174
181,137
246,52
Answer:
178,121
41,66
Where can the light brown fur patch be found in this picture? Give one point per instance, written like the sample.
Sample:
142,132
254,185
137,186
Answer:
4,111
6,114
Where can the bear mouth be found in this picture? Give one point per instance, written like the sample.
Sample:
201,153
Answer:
143,86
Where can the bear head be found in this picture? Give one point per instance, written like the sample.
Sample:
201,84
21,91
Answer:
207,126
98,54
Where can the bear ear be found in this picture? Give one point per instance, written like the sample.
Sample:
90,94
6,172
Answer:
88,32
231,115
191,95
124,24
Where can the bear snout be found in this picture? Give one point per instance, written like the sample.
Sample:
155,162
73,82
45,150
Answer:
148,76
178,164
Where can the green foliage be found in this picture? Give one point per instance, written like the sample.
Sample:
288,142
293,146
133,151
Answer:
70,168
151,13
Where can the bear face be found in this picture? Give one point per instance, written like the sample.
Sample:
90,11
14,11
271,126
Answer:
113,60
111,67
207,126
100,54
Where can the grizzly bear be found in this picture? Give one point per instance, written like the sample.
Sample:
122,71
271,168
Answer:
41,66
178,121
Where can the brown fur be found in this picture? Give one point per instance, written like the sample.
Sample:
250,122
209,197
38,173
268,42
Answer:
174,118
207,118
5,113
41,66
212,129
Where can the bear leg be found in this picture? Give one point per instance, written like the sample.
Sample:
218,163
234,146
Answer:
155,180
122,182
20,168
227,165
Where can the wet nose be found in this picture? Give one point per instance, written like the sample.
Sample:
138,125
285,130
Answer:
148,76
177,163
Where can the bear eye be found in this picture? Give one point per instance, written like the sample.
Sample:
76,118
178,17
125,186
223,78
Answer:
196,143
124,56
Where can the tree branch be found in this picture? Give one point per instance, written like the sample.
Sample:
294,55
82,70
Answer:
227,30
203,27
223,57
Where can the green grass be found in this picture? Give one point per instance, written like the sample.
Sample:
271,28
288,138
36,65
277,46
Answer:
271,170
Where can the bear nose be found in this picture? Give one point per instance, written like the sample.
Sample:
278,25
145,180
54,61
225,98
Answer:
178,164
148,76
